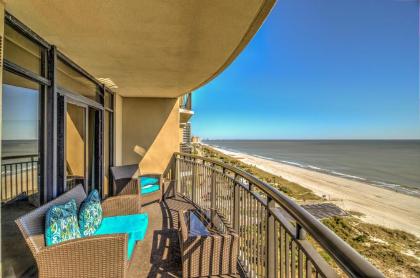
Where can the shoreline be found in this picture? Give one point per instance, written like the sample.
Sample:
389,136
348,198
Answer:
407,190
381,206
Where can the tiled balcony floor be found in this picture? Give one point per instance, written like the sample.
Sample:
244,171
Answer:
17,260
159,255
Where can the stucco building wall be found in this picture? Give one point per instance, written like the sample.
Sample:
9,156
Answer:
153,124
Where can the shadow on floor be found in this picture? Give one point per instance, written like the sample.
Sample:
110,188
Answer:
165,257
165,253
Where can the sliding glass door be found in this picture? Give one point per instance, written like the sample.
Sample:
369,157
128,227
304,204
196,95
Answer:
57,132
76,151
82,142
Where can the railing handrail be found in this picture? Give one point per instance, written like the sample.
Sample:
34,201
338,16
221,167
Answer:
346,257
19,156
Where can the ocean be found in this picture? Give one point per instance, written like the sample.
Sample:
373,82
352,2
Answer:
17,151
18,147
393,164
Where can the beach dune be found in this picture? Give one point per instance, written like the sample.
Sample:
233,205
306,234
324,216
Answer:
378,205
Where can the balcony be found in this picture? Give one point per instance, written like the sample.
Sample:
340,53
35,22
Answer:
185,108
19,177
278,238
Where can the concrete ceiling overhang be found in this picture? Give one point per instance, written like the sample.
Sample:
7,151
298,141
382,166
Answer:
158,48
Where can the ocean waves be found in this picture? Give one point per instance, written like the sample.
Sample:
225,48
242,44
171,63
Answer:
371,162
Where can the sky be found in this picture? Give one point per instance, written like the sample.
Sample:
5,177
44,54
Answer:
20,113
320,69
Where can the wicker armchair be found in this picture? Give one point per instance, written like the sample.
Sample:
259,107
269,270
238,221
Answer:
155,196
95,256
124,183
212,255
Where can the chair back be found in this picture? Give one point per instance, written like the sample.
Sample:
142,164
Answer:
124,171
122,179
32,224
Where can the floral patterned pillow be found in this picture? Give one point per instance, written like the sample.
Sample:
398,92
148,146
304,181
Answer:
61,223
90,214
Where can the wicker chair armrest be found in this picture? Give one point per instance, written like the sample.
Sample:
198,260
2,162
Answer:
95,256
122,205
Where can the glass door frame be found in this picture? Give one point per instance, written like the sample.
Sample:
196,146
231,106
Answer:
51,151
88,104
85,107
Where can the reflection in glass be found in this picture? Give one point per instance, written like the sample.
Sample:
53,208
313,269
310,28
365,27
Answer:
108,100
75,145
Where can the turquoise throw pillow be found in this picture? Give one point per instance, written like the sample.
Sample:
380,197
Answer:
90,214
61,223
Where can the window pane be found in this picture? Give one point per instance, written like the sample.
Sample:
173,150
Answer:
20,138
75,145
108,100
71,80
21,51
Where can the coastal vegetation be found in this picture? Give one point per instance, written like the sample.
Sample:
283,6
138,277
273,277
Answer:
291,189
396,253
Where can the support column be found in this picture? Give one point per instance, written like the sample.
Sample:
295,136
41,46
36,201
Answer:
50,132
1,68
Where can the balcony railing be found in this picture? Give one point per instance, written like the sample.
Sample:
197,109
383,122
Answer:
19,175
186,148
185,101
278,238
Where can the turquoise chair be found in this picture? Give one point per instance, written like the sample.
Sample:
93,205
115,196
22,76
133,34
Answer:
150,188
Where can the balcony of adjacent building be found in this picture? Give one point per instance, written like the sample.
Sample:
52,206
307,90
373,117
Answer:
185,108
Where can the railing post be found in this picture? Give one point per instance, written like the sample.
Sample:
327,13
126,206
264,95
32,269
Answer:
236,201
213,190
300,235
194,181
300,232
177,175
169,184
271,241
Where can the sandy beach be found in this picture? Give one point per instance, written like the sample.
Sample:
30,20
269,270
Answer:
378,205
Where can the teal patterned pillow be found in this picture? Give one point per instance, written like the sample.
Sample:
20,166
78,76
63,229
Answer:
61,223
90,214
